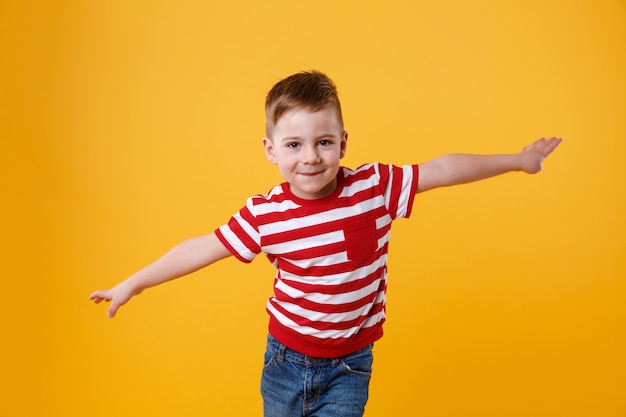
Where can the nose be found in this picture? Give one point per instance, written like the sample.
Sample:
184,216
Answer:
310,155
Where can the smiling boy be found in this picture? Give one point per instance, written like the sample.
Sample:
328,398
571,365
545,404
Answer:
326,230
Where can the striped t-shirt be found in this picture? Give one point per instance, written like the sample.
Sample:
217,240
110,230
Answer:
330,255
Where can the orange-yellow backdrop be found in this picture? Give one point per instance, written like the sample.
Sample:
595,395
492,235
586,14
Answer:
128,126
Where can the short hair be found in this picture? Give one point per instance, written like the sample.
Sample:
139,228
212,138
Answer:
311,90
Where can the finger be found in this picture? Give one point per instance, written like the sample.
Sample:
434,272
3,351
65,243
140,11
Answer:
98,297
97,294
551,145
113,310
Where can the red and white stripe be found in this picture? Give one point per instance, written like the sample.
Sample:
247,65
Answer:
331,256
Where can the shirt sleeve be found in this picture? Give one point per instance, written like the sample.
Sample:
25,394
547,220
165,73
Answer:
240,235
399,184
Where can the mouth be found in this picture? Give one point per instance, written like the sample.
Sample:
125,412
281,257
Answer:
310,174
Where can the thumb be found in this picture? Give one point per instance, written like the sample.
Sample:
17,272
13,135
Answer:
113,309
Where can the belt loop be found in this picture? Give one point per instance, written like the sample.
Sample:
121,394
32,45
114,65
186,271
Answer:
280,354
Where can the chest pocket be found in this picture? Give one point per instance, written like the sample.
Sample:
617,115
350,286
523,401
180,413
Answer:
360,237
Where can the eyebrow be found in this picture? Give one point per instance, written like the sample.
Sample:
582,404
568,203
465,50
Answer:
318,137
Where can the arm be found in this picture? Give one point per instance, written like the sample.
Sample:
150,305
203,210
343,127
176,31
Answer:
184,258
456,169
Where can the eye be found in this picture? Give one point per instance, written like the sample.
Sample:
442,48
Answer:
292,145
325,142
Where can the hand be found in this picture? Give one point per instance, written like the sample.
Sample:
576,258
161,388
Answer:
534,154
118,296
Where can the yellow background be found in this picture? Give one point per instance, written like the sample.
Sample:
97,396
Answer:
128,126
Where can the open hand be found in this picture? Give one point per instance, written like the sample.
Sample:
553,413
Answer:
118,296
534,154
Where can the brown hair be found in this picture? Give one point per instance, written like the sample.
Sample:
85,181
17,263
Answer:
312,90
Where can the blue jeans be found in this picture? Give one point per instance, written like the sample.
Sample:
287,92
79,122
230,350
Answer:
294,384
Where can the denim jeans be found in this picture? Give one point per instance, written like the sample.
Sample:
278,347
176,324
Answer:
296,385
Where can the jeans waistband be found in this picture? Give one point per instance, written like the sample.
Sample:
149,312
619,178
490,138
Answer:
283,353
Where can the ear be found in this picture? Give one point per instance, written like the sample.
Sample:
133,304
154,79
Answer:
270,154
344,144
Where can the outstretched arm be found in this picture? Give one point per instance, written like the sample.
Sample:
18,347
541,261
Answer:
456,169
184,258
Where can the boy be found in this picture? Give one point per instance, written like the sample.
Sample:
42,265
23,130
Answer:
326,230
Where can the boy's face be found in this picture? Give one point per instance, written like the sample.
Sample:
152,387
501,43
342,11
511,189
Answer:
307,147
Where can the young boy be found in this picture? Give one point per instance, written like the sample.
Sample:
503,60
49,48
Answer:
326,230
